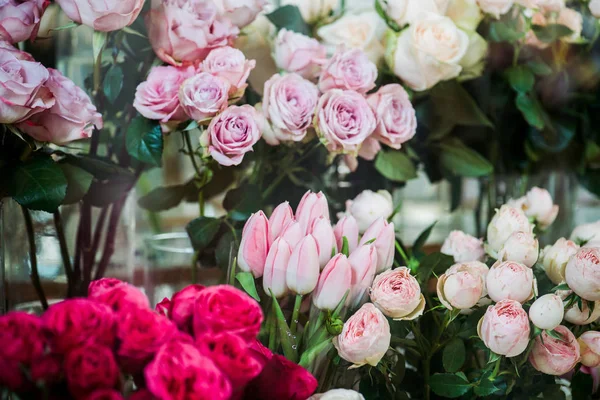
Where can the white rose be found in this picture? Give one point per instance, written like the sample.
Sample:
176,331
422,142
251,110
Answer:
313,10
466,14
506,221
495,7
410,11
572,20
362,31
369,206
547,312
586,232
428,52
595,8
473,62
338,394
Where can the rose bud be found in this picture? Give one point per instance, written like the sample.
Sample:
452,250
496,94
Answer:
553,356
303,268
89,368
338,394
121,298
21,20
334,282
578,316
348,227
311,206
241,13
322,231
254,245
385,240
582,273
555,258
203,96
589,344
506,221
105,394
396,116
539,206
547,312
369,206
293,233
521,247
586,233
510,281
463,247
230,64
364,264
460,287
504,328
398,294
276,268
282,215
365,337
294,52
181,311
224,308
163,307
348,69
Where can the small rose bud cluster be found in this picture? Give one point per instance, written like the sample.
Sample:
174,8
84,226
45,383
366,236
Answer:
537,204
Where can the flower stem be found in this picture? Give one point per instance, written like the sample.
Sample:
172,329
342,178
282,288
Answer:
271,323
402,253
64,251
35,277
295,313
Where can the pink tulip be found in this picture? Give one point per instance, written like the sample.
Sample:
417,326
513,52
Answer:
311,207
385,240
303,268
333,283
364,264
254,246
323,233
348,227
276,268
292,233
280,218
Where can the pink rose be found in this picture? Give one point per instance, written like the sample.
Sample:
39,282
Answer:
334,282
463,247
510,281
240,12
72,117
182,307
185,31
163,307
348,69
538,204
20,20
230,64
398,294
227,309
203,96
460,287
294,52
89,368
107,16
504,328
99,286
365,337
22,90
344,120
589,343
232,134
396,118
180,371
75,322
158,97
583,273
506,221
289,103
105,394
20,55
121,298
555,356
521,247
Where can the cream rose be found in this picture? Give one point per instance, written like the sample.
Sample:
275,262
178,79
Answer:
589,344
505,329
495,7
586,233
580,316
506,221
553,356
547,312
368,206
463,247
240,12
311,10
554,259
466,14
398,294
521,247
410,11
510,281
582,273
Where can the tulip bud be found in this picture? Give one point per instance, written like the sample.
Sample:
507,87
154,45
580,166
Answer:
333,283
364,264
504,328
254,245
521,247
583,273
547,312
510,281
311,207
555,258
323,233
303,268
460,288
348,227
292,233
507,221
385,240
553,356
281,217
274,279
589,344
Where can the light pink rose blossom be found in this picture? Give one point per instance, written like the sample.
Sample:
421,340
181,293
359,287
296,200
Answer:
107,16
589,344
583,273
72,116
365,337
553,356
204,96
19,55
233,133
254,245
463,247
343,121
20,20
230,64
348,69
396,117
476,268
295,52
398,294
510,280
538,204
504,328
289,103
460,287
505,222
240,12
521,247
334,282
547,312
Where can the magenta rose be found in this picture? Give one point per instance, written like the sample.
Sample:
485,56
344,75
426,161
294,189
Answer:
47,370
230,64
203,96
294,52
396,117
121,298
224,308
141,394
348,69
163,307
180,371
89,368
72,117
20,20
241,13
289,103
185,31
22,90
99,286
106,16
75,322
105,394
232,134
181,311
344,120
158,97
141,333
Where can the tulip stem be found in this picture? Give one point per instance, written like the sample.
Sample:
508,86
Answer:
35,277
295,313
271,323
402,253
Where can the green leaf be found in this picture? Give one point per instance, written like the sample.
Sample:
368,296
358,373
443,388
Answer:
531,110
245,199
502,32
345,246
433,263
454,355
113,82
163,198
310,355
454,104
246,279
422,239
449,385
551,32
459,160
485,387
520,78
202,231
78,183
145,141
289,17
38,184
287,342
395,166
539,68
